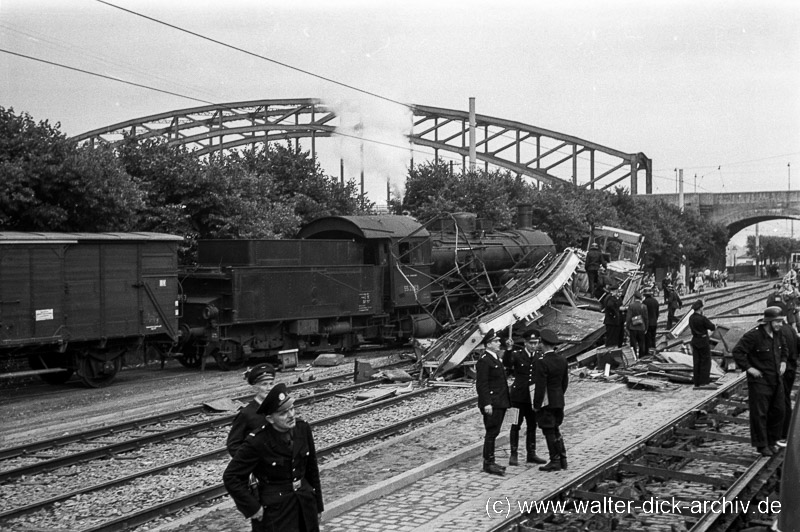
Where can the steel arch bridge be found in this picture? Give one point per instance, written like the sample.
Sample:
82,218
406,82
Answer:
543,155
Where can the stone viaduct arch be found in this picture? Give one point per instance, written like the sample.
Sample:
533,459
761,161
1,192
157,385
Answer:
737,210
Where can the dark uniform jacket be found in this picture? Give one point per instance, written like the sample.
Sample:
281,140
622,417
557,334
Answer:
611,309
594,259
246,421
756,349
652,310
552,379
700,325
636,309
674,300
790,340
490,383
288,478
519,363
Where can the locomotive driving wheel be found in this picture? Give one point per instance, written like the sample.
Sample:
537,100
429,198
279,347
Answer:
51,361
97,370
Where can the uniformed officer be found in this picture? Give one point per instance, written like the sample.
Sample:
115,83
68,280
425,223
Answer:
282,457
260,377
519,363
761,352
701,345
493,398
551,378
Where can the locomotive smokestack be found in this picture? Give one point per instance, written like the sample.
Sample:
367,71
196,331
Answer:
524,216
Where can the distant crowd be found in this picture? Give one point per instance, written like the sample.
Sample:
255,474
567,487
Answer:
699,280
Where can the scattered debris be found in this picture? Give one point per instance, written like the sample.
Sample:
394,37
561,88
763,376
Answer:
224,405
329,359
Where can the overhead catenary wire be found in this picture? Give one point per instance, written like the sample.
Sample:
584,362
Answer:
248,52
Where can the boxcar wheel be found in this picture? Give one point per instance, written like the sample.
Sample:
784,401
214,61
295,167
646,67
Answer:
51,360
96,373
192,357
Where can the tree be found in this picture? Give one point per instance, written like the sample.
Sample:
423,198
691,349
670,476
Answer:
49,184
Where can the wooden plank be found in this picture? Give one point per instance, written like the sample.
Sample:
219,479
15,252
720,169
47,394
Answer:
677,475
712,435
698,456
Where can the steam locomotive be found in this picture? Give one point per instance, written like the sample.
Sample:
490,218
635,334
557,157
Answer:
79,302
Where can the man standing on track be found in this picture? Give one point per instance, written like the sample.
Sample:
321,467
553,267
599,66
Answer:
701,345
282,456
520,363
761,352
260,377
552,378
651,303
493,398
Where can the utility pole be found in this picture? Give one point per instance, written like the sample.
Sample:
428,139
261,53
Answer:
473,156
789,170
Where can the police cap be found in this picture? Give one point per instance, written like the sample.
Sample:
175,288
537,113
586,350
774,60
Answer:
259,373
549,337
277,400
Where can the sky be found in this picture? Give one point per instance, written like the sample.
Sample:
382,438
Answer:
710,87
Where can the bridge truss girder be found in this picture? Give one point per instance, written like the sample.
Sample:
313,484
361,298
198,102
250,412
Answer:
543,155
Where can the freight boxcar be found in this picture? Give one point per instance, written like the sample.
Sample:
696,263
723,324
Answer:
77,302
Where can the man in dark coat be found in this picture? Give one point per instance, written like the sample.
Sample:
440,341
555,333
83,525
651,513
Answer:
636,323
651,304
493,398
673,303
613,319
282,456
519,363
761,352
551,377
260,377
594,260
700,326
790,339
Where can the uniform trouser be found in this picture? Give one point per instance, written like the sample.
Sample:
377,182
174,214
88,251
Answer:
788,382
671,318
594,277
637,342
701,359
650,338
492,424
767,405
613,335
527,415
549,420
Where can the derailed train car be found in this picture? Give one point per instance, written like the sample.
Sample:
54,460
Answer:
347,281
77,302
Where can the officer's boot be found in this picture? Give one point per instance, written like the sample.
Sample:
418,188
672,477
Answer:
555,458
514,442
562,451
489,466
530,447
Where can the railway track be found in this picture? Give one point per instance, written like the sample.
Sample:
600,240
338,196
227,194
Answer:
199,446
697,473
